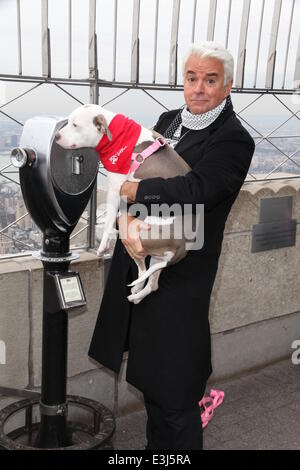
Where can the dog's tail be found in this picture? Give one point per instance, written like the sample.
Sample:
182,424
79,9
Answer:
148,273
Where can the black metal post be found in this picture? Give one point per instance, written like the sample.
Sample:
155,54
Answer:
53,431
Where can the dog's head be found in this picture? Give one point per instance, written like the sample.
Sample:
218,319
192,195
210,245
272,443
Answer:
86,125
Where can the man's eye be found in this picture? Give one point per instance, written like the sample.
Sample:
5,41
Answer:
74,125
211,81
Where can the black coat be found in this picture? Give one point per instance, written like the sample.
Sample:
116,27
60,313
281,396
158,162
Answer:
168,332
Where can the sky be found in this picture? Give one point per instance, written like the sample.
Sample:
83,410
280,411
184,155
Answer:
54,101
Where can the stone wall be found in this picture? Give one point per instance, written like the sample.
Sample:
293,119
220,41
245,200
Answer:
251,287
255,303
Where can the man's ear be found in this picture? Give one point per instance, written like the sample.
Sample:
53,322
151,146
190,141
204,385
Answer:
228,88
101,124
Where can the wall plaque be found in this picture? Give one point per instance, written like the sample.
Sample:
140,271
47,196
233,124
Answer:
276,228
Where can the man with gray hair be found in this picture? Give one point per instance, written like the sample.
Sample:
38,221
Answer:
168,333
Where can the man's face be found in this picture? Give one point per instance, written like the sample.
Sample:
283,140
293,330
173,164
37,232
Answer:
204,84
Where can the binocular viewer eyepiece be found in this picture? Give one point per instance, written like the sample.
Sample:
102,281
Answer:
20,157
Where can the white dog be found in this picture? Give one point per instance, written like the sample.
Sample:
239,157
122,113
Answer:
130,152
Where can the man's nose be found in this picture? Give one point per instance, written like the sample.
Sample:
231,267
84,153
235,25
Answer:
199,87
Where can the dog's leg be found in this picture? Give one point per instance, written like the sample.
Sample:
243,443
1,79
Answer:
142,269
115,182
160,263
152,284
113,203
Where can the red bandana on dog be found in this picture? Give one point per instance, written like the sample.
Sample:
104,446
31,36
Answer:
116,154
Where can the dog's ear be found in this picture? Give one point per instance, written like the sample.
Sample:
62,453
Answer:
101,124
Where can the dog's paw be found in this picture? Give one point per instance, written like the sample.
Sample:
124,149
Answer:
137,288
135,300
138,297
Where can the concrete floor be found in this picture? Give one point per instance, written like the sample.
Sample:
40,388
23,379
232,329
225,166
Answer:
261,411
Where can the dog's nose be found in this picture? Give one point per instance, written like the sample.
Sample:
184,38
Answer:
57,136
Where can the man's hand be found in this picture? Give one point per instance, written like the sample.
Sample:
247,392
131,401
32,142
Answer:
128,190
129,231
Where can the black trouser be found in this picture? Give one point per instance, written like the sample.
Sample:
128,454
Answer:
170,429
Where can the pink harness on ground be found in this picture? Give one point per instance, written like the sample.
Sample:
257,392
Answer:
209,404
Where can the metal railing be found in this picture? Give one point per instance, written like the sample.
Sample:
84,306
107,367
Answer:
266,64
263,36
